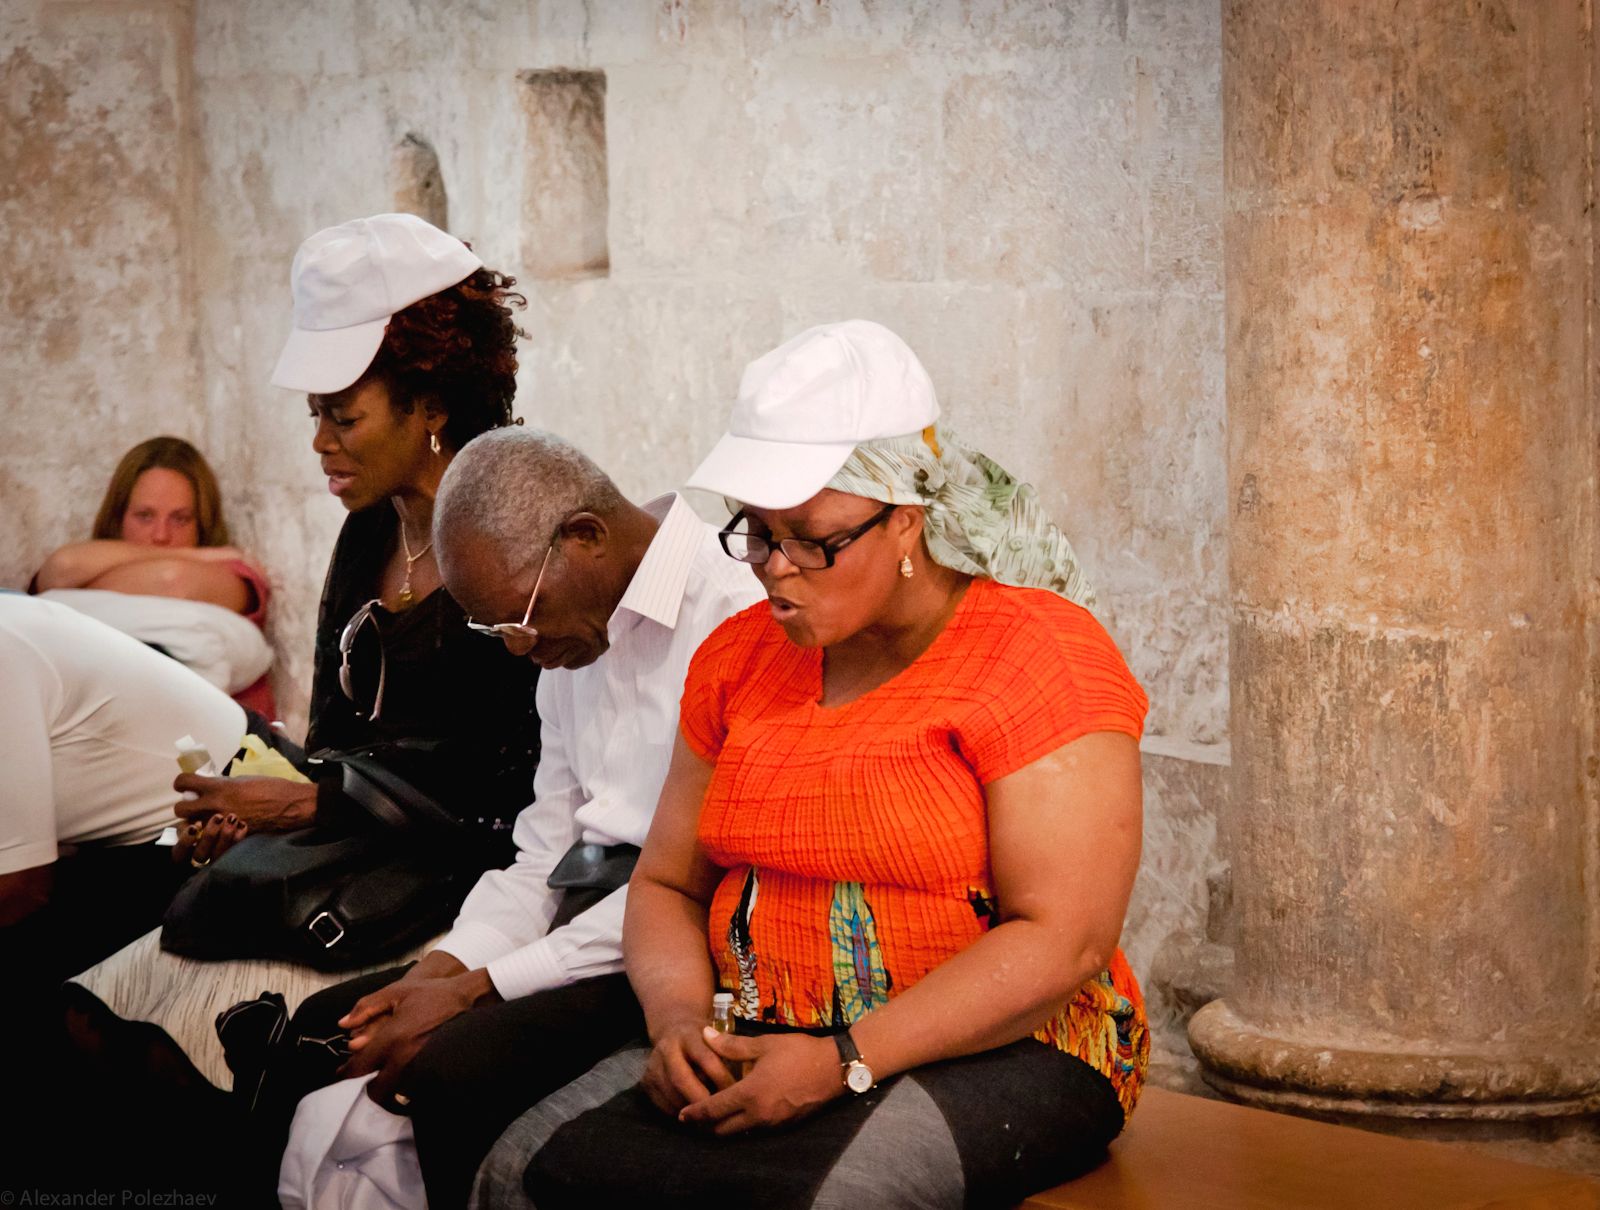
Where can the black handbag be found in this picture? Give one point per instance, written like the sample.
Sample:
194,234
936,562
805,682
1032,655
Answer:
332,898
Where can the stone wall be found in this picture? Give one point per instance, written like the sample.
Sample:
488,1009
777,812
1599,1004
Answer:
96,310
1028,191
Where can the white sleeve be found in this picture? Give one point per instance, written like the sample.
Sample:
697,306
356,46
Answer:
590,945
28,824
504,923
586,947
513,907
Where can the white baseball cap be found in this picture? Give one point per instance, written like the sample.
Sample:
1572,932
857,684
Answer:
347,281
806,405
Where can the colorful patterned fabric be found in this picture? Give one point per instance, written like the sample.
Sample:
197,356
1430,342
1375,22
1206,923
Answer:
855,839
981,520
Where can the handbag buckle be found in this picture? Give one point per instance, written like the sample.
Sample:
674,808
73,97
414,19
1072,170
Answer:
325,927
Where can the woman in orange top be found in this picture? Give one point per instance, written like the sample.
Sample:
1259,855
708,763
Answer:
901,827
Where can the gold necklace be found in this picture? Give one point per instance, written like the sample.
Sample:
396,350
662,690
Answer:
406,596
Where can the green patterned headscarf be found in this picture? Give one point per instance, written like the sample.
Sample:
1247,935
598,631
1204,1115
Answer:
979,520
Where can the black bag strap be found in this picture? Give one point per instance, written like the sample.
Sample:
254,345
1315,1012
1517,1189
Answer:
390,798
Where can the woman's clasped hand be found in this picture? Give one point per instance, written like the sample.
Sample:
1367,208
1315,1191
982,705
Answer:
690,1074
786,1077
218,812
202,841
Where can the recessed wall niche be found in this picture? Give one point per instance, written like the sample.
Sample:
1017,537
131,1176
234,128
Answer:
417,181
565,194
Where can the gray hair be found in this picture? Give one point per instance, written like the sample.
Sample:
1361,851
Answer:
513,487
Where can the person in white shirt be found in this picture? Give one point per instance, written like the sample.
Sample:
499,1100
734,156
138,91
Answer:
89,719
527,990
88,722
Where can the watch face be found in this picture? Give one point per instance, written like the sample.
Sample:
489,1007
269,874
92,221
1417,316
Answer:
860,1077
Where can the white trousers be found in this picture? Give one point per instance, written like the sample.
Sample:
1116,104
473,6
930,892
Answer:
347,1153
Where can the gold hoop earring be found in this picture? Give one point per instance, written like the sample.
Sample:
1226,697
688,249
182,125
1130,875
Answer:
905,566
433,443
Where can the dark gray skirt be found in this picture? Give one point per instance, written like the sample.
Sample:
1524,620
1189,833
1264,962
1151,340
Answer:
988,1129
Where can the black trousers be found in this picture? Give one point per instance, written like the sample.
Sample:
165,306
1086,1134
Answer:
478,1072
102,898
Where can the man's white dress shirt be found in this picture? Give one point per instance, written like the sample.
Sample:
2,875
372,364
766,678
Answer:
607,737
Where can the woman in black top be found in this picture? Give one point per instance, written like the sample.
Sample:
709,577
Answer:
457,718
405,348
398,673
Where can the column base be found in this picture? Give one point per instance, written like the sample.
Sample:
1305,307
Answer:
1274,1071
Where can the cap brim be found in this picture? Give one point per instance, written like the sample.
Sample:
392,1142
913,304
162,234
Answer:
320,363
769,474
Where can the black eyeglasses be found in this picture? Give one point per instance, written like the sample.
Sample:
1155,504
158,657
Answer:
812,554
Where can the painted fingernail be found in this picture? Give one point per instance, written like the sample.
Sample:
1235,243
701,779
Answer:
232,818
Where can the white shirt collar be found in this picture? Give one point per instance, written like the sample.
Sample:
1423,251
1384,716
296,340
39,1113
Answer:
656,590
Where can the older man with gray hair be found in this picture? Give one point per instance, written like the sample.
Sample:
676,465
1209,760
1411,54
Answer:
526,991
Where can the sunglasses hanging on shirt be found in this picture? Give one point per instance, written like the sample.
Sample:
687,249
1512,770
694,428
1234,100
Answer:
347,640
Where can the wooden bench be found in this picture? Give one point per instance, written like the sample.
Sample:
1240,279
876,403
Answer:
1188,1153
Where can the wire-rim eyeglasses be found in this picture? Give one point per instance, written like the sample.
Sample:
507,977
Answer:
513,633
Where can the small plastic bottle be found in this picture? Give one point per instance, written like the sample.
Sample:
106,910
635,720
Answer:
722,1022
193,758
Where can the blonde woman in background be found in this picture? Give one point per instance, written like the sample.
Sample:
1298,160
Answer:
160,533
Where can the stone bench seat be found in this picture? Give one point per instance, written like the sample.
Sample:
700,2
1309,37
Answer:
1188,1153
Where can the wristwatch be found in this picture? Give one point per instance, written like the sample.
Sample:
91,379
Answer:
853,1068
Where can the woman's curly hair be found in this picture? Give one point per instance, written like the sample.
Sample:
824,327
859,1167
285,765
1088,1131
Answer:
457,348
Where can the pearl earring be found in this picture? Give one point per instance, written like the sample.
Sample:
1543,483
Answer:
905,566
433,443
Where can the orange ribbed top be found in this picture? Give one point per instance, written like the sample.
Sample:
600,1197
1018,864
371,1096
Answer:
855,838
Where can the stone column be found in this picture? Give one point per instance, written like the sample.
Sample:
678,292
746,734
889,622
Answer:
1412,469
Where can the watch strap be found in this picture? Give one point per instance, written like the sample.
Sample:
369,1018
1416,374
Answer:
846,1045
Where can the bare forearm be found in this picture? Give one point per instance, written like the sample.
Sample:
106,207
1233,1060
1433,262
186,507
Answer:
1064,847
78,564
999,989
664,949
179,577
